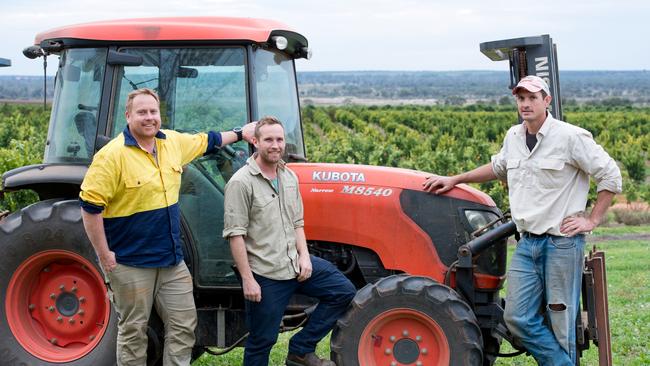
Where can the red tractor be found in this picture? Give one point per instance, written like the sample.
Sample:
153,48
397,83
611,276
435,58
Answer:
428,269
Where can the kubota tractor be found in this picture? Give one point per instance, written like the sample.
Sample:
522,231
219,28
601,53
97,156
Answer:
428,271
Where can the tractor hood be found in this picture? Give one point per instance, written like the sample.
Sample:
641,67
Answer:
386,210
334,178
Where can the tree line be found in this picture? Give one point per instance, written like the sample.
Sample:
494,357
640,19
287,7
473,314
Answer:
441,139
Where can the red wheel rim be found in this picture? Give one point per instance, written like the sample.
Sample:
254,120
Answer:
403,337
56,306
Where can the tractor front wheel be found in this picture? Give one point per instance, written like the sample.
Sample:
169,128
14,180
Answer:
407,320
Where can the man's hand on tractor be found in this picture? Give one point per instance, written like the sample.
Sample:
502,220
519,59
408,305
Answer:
439,184
248,131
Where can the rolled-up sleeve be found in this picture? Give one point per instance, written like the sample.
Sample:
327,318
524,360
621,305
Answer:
99,184
594,160
191,145
499,163
236,209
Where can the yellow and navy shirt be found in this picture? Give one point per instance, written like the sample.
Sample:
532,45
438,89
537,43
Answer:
137,194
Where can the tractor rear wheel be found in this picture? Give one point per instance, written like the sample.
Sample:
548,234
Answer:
407,320
53,304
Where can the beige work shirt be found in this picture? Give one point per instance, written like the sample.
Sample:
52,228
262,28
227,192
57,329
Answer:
266,217
551,182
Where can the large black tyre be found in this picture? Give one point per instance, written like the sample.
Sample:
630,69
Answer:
48,276
406,319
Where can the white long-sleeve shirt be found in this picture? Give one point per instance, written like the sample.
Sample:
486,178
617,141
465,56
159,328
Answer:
551,182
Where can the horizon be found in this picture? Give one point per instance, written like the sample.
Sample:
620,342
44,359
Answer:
388,71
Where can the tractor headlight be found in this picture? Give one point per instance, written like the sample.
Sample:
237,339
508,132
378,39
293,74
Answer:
281,43
477,219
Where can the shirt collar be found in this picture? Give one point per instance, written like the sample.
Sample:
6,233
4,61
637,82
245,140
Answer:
129,140
255,169
548,122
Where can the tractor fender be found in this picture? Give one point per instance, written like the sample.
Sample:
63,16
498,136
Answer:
48,180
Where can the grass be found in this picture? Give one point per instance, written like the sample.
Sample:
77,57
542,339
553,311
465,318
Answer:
622,230
628,275
278,353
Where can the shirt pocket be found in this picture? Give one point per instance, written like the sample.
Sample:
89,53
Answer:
551,173
290,193
137,189
265,207
514,171
135,183
173,177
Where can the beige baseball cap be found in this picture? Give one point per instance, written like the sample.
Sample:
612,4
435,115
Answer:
533,84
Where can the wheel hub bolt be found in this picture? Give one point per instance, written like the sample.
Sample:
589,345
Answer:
424,351
51,309
52,296
32,306
418,338
59,319
392,338
82,299
74,289
388,351
405,333
393,363
419,363
62,287
71,320
81,312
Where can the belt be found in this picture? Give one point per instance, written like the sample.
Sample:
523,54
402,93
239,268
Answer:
534,236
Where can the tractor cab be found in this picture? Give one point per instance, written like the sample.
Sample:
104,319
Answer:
212,75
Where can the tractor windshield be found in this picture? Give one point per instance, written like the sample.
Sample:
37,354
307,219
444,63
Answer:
77,92
205,89
200,89
276,89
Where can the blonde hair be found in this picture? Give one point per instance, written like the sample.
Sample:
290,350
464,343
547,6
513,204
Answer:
135,93
266,121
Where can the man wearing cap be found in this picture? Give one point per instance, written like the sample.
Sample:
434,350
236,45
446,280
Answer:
547,164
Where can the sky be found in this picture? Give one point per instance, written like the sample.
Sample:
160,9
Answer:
353,35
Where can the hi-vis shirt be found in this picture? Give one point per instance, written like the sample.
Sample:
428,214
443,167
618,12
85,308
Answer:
139,198
551,182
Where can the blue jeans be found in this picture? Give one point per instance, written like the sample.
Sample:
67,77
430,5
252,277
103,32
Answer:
546,271
334,292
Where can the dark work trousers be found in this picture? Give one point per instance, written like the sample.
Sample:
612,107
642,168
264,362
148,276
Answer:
327,284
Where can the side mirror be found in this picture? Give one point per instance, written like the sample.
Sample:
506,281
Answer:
124,59
101,141
187,72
